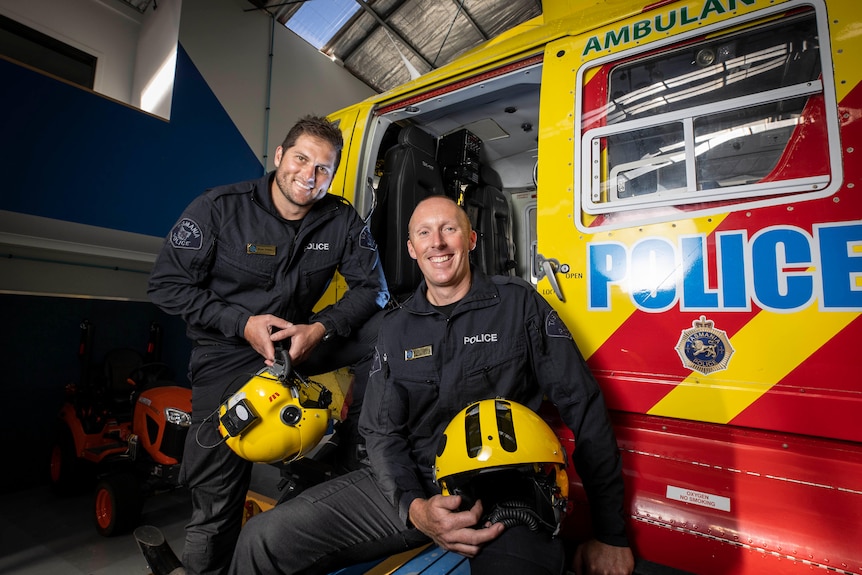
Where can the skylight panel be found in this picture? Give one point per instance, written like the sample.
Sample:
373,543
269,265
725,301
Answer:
317,21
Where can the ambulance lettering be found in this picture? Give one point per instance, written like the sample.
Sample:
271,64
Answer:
662,23
780,268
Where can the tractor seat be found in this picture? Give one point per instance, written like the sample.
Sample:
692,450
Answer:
118,366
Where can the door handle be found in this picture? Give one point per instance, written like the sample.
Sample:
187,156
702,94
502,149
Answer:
548,268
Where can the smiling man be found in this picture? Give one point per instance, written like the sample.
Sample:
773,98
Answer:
244,266
440,240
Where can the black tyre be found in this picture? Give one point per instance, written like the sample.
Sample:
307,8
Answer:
117,504
69,475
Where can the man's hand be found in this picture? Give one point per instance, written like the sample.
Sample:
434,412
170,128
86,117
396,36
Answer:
303,339
450,529
262,331
258,332
597,558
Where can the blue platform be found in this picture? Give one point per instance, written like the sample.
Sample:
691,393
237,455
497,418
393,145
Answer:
430,560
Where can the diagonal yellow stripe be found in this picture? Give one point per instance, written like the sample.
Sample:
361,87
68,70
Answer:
768,348
846,43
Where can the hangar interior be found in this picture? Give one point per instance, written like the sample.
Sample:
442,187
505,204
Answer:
164,99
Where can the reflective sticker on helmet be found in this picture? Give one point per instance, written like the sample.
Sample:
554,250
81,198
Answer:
187,235
555,327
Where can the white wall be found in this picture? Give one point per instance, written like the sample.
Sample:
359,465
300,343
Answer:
230,45
156,59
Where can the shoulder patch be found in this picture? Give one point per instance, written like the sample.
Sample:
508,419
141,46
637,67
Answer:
187,235
554,326
366,240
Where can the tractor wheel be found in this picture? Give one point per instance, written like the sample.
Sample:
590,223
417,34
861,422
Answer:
68,473
118,504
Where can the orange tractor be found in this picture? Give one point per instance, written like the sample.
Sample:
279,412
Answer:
121,428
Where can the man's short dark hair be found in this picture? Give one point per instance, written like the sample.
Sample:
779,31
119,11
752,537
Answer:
319,127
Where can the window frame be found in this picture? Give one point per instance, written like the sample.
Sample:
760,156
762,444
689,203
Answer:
64,60
588,188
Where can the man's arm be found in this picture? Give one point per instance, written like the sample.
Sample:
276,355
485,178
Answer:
595,557
182,268
565,379
383,424
361,269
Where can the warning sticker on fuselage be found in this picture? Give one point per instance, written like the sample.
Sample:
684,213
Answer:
698,498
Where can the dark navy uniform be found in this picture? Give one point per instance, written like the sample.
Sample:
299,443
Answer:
231,256
501,340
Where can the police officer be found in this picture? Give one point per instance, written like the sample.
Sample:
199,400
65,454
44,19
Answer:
243,266
462,337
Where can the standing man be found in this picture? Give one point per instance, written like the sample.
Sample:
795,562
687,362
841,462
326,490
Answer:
244,266
429,365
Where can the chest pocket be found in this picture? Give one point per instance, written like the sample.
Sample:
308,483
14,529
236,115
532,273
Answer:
495,369
317,272
234,266
413,391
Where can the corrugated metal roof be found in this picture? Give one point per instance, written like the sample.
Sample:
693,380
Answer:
386,41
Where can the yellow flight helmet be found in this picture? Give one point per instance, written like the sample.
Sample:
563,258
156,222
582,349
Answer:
505,454
268,420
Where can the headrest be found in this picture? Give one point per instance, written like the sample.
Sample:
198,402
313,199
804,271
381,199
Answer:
415,138
489,177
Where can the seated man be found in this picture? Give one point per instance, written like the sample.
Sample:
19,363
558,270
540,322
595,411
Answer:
427,367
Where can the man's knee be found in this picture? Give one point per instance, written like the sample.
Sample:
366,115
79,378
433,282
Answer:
254,539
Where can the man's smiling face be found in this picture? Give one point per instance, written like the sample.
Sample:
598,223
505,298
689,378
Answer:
303,175
440,240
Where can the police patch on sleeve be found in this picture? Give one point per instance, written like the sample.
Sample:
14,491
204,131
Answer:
554,326
187,235
366,240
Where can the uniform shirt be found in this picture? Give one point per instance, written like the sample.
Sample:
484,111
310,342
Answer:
501,340
231,256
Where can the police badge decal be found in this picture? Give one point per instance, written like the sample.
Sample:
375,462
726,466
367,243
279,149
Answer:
703,348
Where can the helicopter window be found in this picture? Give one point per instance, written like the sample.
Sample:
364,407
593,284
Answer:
727,118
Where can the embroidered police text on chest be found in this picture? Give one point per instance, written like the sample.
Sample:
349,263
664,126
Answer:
480,338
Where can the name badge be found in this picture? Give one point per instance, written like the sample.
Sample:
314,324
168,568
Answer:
424,351
259,250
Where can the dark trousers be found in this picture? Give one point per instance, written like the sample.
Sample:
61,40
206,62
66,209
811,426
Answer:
348,520
217,478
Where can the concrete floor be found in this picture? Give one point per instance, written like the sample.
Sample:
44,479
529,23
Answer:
42,534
